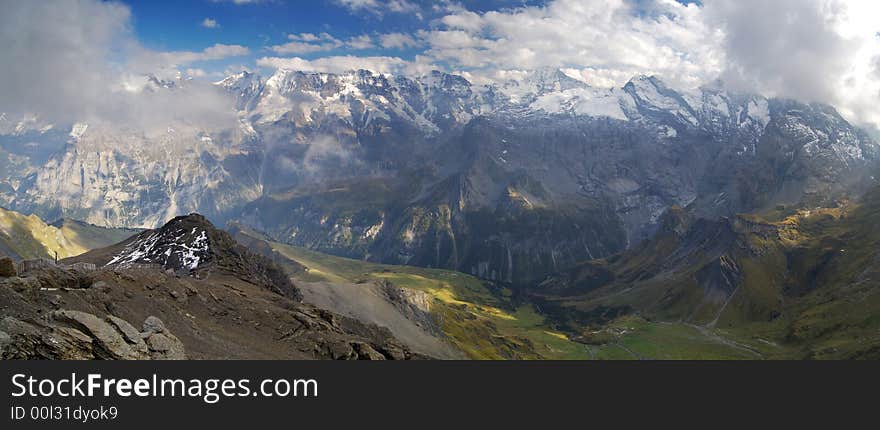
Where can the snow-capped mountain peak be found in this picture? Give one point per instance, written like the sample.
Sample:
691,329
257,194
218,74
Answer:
181,245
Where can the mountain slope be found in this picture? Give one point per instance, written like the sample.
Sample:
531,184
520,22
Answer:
479,318
231,304
28,237
803,286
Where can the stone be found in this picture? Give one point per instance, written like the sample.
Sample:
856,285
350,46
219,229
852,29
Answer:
153,325
165,346
26,341
22,284
131,335
109,341
7,268
366,352
5,340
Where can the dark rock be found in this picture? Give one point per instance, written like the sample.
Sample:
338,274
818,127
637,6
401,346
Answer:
107,338
7,267
366,352
161,343
153,325
27,341
131,335
165,346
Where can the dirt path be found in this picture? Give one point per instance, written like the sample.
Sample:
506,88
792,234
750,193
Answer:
708,332
631,352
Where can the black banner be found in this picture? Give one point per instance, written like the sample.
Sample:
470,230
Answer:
415,394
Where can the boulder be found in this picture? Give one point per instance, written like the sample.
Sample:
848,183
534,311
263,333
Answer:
7,268
22,284
165,346
153,325
161,343
131,335
26,341
366,352
108,340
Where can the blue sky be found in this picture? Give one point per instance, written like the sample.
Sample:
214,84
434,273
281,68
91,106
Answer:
167,25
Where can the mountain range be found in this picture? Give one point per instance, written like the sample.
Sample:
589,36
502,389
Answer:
538,217
510,181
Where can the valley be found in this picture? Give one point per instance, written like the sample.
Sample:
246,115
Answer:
486,321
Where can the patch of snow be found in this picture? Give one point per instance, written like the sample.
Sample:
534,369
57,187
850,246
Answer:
78,130
582,101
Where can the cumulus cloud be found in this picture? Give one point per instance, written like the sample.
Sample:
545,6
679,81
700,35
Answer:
307,43
79,61
363,41
603,38
210,23
812,50
380,7
397,41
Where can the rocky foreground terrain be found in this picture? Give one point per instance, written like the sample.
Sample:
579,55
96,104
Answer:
229,304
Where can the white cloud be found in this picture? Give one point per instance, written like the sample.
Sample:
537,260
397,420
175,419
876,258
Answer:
610,37
306,43
363,41
79,61
380,7
210,23
397,41
812,50
148,60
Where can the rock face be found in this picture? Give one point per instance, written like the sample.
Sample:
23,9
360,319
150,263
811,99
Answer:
76,335
508,181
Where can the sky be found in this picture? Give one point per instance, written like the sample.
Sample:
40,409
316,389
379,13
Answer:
89,56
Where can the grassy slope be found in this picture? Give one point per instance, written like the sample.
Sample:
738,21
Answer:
810,290
481,323
29,237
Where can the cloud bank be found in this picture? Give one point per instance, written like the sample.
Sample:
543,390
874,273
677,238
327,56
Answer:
80,56
811,50
78,60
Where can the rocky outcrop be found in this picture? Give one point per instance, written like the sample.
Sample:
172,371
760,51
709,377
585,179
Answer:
76,335
415,305
163,345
